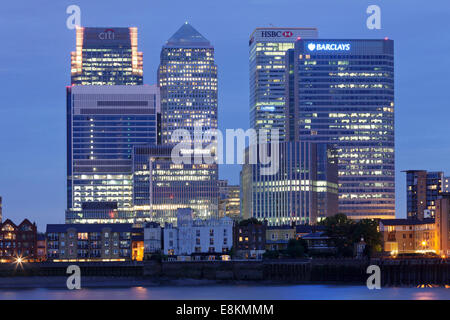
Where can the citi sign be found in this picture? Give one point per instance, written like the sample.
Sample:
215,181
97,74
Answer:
276,34
108,34
328,46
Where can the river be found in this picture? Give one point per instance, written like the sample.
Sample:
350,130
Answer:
230,292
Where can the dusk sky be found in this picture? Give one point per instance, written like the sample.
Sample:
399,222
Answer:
35,68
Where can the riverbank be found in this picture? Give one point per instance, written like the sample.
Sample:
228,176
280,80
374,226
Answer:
152,273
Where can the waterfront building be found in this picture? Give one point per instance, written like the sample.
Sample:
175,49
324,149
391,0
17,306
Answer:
409,235
319,243
18,242
103,125
277,237
446,185
90,242
267,49
187,76
41,246
442,216
422,190
303,190
161,187
342,92
249,239
200,238
106,56
152,238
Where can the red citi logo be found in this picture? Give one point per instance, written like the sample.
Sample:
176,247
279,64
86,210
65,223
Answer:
108,34
287,34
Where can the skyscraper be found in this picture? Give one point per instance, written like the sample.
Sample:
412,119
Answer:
268,47
342,92
422,190
161,187
106,56
103,125
303,190
187,77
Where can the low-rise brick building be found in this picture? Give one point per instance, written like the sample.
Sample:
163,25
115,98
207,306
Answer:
18,241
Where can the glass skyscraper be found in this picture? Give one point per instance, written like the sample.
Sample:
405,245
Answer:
187,77
303,190
161,187
342,92
106,56
103,125
268,47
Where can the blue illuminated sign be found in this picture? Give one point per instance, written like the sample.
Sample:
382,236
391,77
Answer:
314,46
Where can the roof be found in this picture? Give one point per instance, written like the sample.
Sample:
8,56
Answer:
406,222
188,36
115,227
306,228
315,235
285,227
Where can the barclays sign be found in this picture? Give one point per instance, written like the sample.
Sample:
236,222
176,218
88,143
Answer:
314,46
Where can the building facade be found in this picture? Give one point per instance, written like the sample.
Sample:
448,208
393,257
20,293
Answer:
442,217
18,242
249,239
161,187
229,200
409,236
267,49
152,238
277,237
89,242
103,125
204,238
422,190
187,76
106,56
303,190
342,91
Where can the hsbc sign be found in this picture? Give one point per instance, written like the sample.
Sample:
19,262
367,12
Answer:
276,34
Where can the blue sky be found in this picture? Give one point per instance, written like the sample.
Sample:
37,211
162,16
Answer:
34,70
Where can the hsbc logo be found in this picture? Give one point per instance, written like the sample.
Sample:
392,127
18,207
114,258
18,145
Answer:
276,34
108,34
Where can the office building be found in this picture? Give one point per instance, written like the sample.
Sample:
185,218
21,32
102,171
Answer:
90,242
422,190
103,125
342,92
106,56
446,185
203,239
229,200
267,48
161,187
187,76
303,190
18,242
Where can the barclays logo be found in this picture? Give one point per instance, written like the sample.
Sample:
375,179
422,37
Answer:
328,46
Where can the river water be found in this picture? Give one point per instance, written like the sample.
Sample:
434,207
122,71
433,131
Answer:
231,292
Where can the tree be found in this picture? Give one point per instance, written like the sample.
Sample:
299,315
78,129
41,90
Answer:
346,232
296,248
